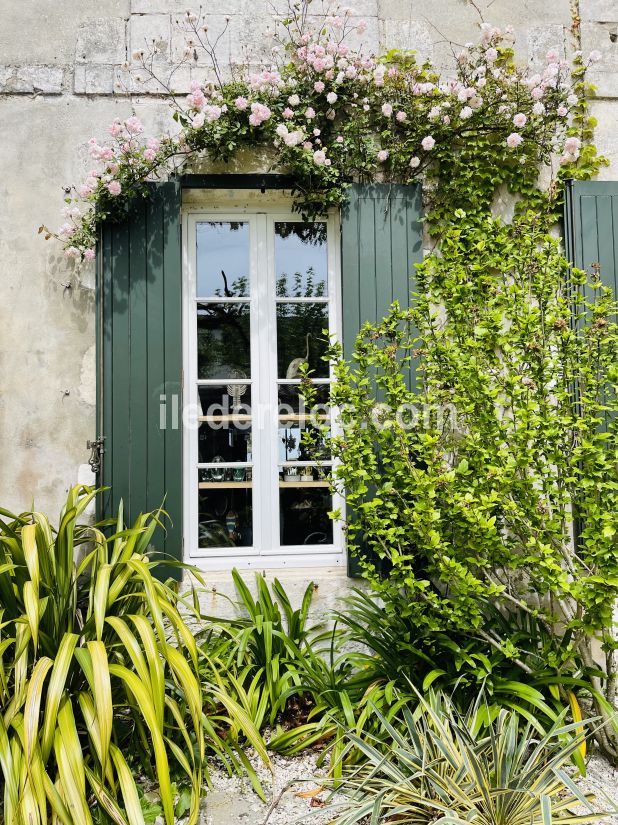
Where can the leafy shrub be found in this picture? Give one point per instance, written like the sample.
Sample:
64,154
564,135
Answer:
467,487
527,669
97,672
442,768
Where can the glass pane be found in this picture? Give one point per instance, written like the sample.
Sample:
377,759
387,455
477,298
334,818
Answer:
303,514
293,447
222,260
301,259
223,346
300,338
225,399
224,441
225,516
290,401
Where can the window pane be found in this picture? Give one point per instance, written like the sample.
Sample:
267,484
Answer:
225,516
217,400
292,446
223,347
303,516
222,260
224,441
300,338
290,401
301,259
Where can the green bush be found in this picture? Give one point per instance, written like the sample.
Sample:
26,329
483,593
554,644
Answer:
466,488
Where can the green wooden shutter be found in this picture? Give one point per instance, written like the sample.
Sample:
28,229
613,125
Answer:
140,360
382,240
591,227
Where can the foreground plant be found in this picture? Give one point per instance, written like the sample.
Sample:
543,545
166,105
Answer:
97,672
479,449
438,768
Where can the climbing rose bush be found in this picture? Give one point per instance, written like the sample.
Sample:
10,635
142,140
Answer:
334,114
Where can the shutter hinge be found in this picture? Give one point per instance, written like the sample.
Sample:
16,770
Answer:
96,453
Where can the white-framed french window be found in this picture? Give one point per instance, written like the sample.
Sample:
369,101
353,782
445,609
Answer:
260,285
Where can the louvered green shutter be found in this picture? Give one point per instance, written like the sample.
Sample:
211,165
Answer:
382,240
140,360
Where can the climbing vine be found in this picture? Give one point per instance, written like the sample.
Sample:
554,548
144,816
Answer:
334,114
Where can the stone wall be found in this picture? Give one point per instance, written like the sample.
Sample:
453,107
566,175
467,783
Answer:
63,78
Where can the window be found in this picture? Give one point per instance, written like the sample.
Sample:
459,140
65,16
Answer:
260,290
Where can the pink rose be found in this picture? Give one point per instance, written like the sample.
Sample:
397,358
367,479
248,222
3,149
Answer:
382,155
133,125
89,254
113,187
428,143
514,140
241,103
520,120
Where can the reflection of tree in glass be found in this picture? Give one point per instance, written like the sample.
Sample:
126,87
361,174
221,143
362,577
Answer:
223,348
297,290
309,233
300,335
238,289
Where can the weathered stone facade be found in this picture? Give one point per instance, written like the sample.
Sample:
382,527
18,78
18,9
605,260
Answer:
63,78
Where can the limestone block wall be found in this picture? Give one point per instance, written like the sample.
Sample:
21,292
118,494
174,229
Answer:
64,78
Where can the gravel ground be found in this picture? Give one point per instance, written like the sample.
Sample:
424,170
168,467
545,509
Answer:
602,780
294,795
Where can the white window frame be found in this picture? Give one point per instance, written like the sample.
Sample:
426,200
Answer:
266,552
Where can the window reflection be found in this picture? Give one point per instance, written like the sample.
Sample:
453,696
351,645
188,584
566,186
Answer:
301,338
301,259
222,259
223,345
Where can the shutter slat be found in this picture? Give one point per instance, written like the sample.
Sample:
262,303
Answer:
381,241
140,359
